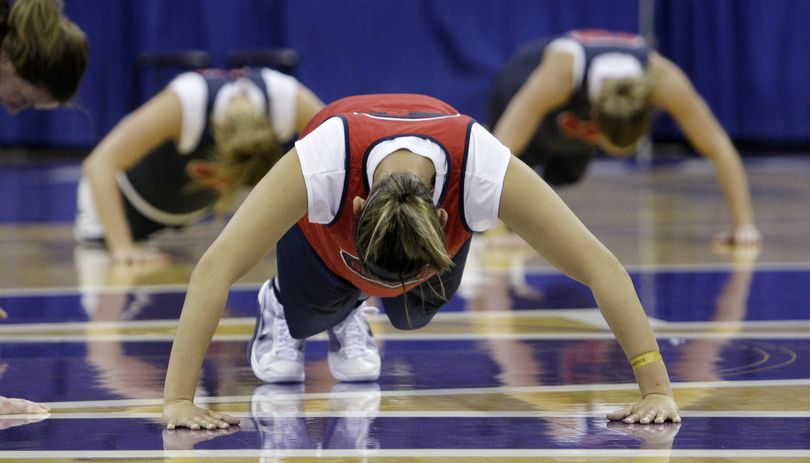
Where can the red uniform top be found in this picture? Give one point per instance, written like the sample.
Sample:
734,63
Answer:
368,120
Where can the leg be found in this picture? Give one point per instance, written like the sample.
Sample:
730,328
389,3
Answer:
274,355
353,353
313,297
87,225
304,299
416,308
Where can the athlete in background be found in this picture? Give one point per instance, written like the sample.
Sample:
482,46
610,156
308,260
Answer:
43,56
185,153
557,102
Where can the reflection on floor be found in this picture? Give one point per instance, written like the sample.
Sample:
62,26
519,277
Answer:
519,367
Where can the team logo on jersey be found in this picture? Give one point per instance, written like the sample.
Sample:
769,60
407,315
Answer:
353,263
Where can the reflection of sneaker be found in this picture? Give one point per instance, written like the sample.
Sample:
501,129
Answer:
353,353
278,413
275,356
355,398
359,403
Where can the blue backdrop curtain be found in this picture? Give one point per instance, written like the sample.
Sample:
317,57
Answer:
747,57
750,59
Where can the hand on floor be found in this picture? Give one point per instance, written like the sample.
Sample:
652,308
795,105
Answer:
20,407
654,408
184,414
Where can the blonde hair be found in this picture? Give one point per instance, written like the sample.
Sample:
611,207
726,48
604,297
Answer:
399,231
45,47
245,151
623,110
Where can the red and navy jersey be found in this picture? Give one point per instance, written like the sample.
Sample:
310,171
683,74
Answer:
368,120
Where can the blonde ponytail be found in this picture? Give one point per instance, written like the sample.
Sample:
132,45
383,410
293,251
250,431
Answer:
245,151
399,232
623,110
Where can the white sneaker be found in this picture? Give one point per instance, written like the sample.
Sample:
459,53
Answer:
353,353
275,356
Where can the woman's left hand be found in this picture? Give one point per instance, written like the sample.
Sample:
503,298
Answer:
653,408
21,407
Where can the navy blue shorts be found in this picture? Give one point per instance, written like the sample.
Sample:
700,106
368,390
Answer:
314,298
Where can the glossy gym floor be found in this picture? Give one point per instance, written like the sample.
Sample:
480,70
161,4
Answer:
519,367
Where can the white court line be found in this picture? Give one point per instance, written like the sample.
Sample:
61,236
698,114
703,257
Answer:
600,413
587,315
512,390
469,453
579,314
113,324
77,291
693,268
536,270
531,270
414,337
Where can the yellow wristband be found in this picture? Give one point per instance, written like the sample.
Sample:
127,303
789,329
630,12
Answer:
645,359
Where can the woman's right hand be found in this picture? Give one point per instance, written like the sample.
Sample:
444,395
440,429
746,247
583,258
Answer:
140,254
184,414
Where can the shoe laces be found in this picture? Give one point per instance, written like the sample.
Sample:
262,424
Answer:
354,332
284,345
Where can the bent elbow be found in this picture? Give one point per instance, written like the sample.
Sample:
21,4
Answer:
212,271
96,166
611,273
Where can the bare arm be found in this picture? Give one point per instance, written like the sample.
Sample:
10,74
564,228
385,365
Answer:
549,86
307,105
154,123
274,205
674,93
532,209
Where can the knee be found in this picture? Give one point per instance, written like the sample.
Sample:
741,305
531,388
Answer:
407,325
410,321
